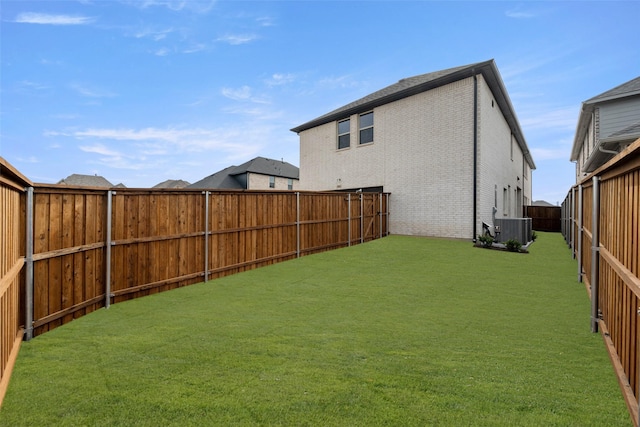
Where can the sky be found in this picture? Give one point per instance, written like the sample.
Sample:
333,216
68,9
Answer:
141,91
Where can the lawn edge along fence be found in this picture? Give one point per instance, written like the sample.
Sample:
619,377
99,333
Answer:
68,250
601,224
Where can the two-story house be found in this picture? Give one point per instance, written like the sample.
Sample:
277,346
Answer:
447,145
607,124
259,173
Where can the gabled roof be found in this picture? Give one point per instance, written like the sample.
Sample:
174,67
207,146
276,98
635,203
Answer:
220,179
227,178
630,88
414,85
264,166
625,90
172,183
86,181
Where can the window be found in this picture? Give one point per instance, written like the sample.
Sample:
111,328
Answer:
289,184
344,127
272,182
366,128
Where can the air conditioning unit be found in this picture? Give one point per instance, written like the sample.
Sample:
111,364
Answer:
519,229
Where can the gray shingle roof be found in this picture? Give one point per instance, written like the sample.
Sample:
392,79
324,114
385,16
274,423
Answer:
630,88
172,183
86,181
220,179
271,167
414,85
226,178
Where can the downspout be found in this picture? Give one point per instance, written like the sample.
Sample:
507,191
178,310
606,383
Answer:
475,156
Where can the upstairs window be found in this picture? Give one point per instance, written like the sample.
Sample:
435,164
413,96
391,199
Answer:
366,128
289,184
344,136
272,182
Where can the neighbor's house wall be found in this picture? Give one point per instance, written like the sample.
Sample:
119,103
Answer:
586,148
618,115
422,154
261,182
504,174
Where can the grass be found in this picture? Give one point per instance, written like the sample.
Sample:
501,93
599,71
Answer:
399,331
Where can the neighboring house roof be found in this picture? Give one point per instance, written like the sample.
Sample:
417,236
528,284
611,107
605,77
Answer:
227,178
220,179
542,203
625,90
86,181
414,85
172,183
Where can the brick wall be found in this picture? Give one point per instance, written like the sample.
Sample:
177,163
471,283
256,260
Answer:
422,154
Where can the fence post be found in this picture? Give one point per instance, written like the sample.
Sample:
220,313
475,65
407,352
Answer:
206,235
595,254
387,213
349,218
580,231
361,218
380,214
107,284
28,304
297,224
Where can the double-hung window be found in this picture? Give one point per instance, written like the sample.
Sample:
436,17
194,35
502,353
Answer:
344,136
272,182
366,128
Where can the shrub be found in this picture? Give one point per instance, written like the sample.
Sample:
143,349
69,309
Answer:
513,245
486,241
534,236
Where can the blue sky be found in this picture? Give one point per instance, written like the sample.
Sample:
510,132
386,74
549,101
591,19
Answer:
144,91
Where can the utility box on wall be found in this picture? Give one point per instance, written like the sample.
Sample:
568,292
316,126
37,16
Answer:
519,229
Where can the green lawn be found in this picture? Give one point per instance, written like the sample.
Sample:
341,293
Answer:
399,331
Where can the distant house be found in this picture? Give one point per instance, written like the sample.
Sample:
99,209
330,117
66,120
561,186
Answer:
172,183
607,124
87,181
447,145
256,174
543,203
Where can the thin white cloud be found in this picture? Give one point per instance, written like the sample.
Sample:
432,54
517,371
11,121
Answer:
243,93
47,19
237,39
550,154
155,35
90,92
198,6
564,119
100,149
279,79
240,94
519,14
265,21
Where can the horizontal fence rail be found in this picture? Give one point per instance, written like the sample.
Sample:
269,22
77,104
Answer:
601,224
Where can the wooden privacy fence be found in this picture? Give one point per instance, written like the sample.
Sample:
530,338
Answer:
601,223
94,247
73,250
12,262
544,218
